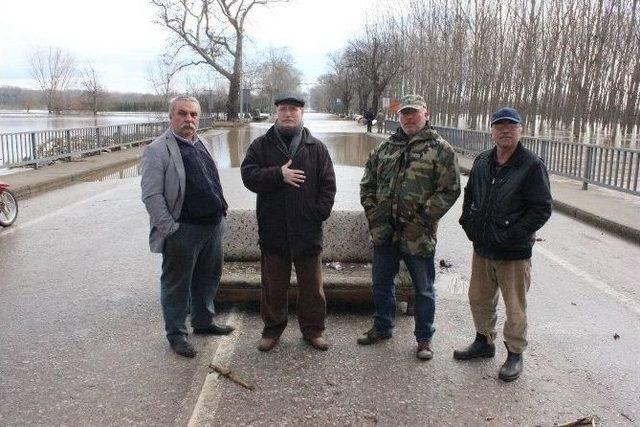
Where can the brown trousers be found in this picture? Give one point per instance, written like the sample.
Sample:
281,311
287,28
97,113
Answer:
276,277
512,279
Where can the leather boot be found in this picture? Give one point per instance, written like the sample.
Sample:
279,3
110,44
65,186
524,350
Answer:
512,367
479,348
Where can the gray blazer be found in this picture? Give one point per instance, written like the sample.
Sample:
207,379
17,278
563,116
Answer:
163,186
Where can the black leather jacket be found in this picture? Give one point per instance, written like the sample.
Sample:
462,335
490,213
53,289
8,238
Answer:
504,206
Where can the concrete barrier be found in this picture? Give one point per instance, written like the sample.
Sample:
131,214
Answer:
345,237
345,233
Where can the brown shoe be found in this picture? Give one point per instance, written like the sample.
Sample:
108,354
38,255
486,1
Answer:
372,336
267,343
424,351
319,343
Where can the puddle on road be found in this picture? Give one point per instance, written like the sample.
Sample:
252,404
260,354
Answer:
229,148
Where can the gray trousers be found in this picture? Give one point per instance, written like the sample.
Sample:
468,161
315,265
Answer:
191,269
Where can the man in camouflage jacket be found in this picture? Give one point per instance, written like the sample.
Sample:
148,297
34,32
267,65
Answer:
410,181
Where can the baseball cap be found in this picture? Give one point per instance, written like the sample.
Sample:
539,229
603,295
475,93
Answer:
412,101
506,113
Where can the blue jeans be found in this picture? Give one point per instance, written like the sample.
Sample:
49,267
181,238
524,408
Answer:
191,269
386,263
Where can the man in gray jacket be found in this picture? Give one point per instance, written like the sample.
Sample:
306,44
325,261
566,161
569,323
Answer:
183,196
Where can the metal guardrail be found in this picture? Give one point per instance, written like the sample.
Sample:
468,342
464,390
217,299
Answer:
610,167
31,148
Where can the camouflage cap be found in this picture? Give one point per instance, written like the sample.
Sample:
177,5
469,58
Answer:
412,101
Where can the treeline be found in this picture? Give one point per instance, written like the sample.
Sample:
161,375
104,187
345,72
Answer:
16,98
564,63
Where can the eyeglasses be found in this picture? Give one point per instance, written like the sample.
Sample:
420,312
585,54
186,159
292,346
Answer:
505,125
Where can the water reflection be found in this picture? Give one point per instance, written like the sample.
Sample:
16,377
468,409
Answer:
349,149
348,146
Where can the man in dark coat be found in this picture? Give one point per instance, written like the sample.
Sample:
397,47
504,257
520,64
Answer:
293,176
369,116
506,200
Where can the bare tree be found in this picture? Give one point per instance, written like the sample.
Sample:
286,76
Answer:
161,76
378,56
343,78
93,90
212,31
277,74
54,71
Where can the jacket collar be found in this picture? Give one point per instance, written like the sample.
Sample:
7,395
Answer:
181,139
401,138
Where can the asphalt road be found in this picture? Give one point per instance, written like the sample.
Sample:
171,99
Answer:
81,341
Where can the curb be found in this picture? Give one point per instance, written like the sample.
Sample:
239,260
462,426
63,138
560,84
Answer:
26,191
620,230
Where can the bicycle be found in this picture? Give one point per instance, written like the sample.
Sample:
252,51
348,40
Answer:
8,206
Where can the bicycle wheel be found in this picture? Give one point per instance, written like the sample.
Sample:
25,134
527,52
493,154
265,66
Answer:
8,208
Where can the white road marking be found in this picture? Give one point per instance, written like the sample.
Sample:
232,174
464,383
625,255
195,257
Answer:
587,278
210,391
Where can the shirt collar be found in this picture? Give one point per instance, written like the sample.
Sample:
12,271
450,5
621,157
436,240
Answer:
195,139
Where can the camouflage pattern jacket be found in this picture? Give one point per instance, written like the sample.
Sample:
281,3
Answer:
408,185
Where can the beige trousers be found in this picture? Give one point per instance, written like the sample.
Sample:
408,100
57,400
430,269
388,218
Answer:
512,279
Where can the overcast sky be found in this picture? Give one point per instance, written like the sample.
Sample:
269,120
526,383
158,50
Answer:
119,37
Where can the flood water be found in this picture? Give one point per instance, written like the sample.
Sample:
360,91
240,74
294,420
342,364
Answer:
35,120
344,139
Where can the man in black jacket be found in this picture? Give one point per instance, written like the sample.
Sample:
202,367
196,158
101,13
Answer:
292,174
506,200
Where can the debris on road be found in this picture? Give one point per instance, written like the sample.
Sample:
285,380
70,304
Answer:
445,264
585,421
371,417
626,416
573,303
539,239
228,373
616,336
335,265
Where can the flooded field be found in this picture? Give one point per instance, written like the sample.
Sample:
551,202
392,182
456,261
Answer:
20,121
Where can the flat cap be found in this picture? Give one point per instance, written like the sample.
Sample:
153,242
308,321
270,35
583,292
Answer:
412,101
288,98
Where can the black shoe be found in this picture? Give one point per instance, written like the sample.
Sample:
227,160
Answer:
183,348
512,367
479,348
372,336
214,329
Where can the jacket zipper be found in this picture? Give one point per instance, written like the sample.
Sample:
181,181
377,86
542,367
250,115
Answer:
487,212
